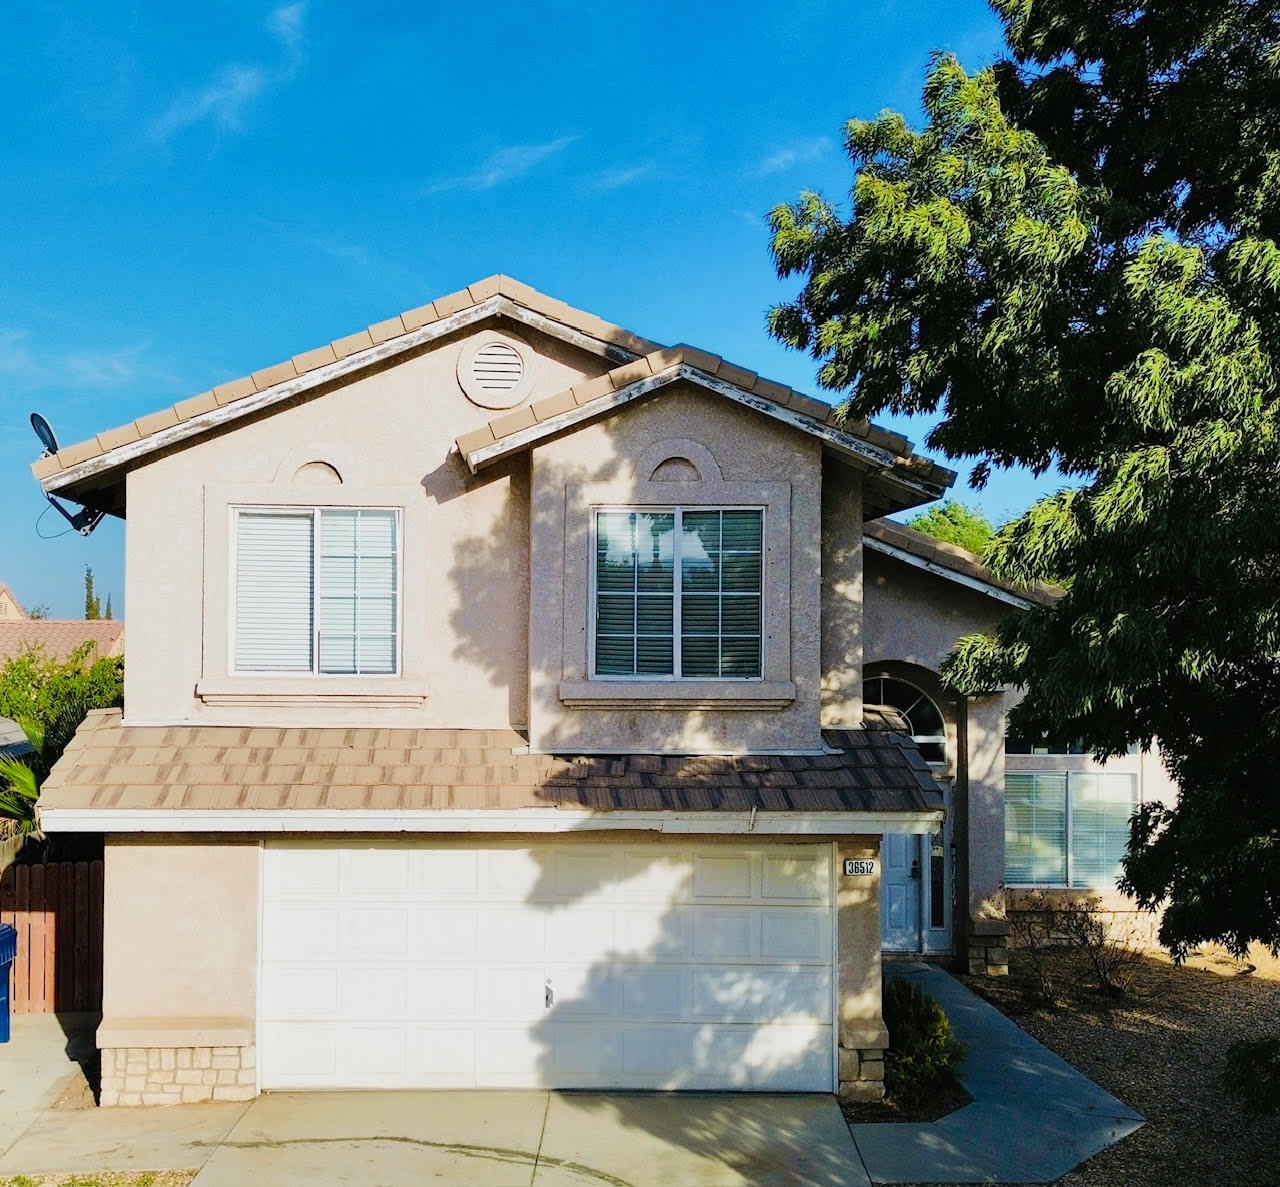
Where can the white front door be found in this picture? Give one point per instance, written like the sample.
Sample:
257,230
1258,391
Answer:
900,881
424,964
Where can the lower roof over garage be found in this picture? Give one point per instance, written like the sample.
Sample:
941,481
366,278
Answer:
119,778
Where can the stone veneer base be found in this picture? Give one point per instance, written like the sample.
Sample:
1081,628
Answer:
177,1075
988,954
861,1073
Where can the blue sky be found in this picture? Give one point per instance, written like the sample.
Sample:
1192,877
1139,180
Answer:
192,192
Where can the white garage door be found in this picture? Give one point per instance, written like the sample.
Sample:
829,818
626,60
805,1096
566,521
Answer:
560,964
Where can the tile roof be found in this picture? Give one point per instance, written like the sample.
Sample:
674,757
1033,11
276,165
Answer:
640,357
112,766
602,390
59,637
956,559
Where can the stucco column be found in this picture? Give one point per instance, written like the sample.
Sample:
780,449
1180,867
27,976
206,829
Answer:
988,929
841,688
862,1033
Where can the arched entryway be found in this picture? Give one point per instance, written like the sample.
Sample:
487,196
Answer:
918,872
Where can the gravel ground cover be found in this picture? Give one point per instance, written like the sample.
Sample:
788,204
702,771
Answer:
105,1179
1161,1050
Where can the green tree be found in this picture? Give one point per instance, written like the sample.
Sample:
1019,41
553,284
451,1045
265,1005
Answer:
956,523
1075,262
92,606
49,698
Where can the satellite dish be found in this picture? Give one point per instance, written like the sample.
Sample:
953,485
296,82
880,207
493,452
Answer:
87,518
44,430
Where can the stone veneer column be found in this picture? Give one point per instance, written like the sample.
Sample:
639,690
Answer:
862,1033
177,1075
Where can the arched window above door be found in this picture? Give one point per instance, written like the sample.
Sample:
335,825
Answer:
924,719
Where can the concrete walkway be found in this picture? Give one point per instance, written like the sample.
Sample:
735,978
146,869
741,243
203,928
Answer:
1033,1116
37,1064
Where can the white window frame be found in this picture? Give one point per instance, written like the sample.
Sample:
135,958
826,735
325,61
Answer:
314,510
678,510
1068,831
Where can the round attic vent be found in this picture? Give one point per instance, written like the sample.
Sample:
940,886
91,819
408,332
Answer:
495,370
497,367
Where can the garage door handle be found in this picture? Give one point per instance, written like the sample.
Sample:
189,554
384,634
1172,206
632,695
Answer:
551,997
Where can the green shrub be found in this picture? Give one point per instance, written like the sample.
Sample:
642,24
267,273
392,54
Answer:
924,1052
1252,1074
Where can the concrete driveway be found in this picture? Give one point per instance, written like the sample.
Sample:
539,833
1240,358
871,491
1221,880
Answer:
482,1139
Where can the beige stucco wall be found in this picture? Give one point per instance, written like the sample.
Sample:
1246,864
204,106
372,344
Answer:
389,435
739,458
181,921
842,575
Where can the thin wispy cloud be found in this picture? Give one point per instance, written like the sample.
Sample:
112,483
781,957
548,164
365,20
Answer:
507,164
623,176
25,368
226,97
790,155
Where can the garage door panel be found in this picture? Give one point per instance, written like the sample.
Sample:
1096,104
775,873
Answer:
446,933
293,931
724,935
670,966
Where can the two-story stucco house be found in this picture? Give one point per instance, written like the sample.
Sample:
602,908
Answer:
513,701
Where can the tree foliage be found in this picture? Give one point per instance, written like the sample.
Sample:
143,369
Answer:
956,523
92,604
1074,262
49,698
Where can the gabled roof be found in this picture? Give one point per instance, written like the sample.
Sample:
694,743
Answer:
953,563
59,637
6,592
887,455
90,470
231,776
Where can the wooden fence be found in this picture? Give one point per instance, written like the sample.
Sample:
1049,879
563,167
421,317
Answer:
57,909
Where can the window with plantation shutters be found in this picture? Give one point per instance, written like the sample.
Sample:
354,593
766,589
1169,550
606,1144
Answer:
678,593
317,590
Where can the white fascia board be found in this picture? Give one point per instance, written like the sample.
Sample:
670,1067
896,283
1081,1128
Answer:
919,562
248,405
521,820
853,448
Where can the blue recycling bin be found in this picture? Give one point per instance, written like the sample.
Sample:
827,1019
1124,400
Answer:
8,954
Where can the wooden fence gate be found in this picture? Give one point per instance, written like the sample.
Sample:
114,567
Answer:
57,909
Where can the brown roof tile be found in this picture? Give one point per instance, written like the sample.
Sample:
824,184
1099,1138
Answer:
113,765
59,637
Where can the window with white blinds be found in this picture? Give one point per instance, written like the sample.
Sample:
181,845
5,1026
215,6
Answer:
1066,828
317,590
678,593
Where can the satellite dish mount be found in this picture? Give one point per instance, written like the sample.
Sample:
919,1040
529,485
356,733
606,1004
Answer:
84,520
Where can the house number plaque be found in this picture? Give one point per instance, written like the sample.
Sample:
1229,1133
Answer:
859,867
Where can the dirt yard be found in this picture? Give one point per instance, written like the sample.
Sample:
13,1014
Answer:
1161,1050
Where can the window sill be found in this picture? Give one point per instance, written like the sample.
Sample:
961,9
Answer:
677,694
370,692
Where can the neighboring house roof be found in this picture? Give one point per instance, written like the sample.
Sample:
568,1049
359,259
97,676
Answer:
7,595
171,769
13,740
953,563
89,471
59,637
888,454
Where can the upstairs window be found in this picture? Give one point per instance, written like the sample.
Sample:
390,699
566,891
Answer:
317,590
678,593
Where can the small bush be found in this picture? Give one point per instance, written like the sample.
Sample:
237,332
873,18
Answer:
1252,1074
924,1052
1044,925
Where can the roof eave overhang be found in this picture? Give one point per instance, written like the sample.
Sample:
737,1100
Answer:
853,450
988,588
520,820
107,468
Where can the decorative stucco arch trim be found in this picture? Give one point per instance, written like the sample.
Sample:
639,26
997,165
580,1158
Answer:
698,456
337,458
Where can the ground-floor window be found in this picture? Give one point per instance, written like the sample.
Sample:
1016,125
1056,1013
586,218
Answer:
1066,828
